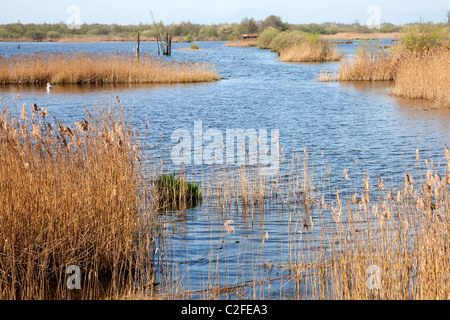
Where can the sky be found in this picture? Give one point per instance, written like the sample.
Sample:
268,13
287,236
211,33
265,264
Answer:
219,11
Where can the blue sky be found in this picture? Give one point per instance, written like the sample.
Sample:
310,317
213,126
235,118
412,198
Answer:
217,11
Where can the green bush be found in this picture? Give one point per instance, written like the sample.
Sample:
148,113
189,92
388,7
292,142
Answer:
195,46
287,39
34,35
53,35
266,37
424,37
173,191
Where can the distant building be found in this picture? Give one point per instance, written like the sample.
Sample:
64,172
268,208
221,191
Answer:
250,36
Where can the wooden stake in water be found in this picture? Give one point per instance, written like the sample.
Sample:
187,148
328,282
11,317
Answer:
138,45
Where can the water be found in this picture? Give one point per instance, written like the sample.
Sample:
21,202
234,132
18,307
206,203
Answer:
339,123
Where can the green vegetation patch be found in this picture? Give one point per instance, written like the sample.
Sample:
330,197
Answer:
176,192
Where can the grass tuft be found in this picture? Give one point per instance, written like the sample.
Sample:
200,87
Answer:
176,191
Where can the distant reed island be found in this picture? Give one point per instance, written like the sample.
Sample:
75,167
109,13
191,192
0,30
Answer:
104,68
417,64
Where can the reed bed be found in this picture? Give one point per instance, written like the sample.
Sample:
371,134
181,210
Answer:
90,68
417,64
392,242
310,51
80,195
424,75
72,195
371,63
367,240
242,43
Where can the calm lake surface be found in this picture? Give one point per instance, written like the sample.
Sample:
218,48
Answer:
338,122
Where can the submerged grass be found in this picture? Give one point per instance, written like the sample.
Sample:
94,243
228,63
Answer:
88,68
176,192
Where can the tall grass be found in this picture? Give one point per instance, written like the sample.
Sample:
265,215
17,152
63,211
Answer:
311,49
242,43
72,195
402,230
371,62
424,75
335,236
84,68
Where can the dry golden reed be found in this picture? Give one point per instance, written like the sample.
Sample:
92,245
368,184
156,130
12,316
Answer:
85,68
340,239
417,63
309,51
242,43
424,75
370,63
71,195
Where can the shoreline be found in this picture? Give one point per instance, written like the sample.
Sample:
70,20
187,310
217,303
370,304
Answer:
361,36
97,39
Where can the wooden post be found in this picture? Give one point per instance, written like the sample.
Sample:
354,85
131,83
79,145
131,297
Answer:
157,43
167,49
137,45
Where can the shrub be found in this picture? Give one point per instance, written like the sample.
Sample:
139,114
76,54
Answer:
53,35
423,37
195,46
287,39
266,37
34,35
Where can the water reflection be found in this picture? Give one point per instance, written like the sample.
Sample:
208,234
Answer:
80,89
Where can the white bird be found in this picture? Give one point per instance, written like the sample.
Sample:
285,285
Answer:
49,87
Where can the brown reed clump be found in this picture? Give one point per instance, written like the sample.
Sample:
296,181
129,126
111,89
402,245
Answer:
71,195
424,75
417,63
310,51
327,76
88,68
394,243
242,43
370,63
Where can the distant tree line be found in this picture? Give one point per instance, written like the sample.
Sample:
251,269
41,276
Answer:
199,32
